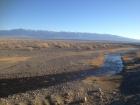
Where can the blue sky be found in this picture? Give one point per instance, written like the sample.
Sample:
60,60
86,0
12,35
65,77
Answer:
119,17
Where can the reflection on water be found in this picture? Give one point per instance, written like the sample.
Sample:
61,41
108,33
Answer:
113,64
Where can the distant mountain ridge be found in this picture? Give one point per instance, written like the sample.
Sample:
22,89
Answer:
37,34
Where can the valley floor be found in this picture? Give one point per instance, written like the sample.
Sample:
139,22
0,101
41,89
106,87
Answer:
65,73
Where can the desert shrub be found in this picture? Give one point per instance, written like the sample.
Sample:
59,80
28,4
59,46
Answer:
61,44
29,48
42,45
22,44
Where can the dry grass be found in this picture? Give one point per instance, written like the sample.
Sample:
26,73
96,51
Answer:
6,62
98,62
61,44
23,44
42,45
119,49
37,44
130,57
14,59
127,58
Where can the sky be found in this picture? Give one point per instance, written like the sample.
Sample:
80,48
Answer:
117,17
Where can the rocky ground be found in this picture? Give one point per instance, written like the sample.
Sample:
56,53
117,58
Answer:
59,73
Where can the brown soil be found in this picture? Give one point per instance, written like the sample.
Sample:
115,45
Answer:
53,73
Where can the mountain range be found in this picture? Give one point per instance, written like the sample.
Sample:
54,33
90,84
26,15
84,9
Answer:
39,34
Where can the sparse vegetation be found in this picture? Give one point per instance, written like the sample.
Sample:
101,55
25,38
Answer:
35,72
32,44
13,59
98,61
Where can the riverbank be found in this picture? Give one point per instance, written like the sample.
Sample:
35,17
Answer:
130,87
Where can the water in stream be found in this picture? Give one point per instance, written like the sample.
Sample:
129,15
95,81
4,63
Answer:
113,64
